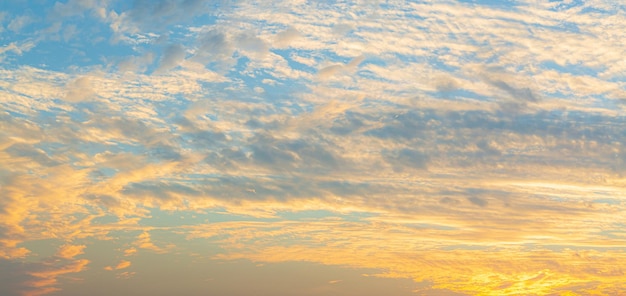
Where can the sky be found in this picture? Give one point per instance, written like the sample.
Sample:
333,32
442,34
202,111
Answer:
223,147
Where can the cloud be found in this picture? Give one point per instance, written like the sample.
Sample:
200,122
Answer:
13,276
284,38
477,201
18,23
250,43
63,10
70,251
407,158
332,70
136,63
164,12
215,46
374,128
45,277
17,48
329,71
144,241
523,93
524,268
80,90
129,252
173,56
122,265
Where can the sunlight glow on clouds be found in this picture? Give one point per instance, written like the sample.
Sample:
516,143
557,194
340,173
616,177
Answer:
417,148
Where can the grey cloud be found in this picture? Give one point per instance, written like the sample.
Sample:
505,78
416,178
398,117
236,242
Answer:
525,93
228,187
160,13
449,201
131,129
214,42
445,83
104,200
6,178
119,160
205,138
184,123
248,42
488,148
285,37
278,188
28,151
164,152
254,123
346,126
199,137
618,163
80,90
14,278
478,201
303,154
71,8
227,158
350,122
342,29
543,123
313,154
172,56
347,188
406,158
467,138
160,189
266,154
409,125
136,63
215,47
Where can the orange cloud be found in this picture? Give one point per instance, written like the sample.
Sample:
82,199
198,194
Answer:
70,251
46,276
129,252
123,264
144,242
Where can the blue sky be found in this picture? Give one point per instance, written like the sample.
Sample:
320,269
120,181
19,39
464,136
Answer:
421,147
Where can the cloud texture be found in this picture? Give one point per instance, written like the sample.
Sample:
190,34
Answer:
473,147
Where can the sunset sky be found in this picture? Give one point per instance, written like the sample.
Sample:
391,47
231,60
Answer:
195,147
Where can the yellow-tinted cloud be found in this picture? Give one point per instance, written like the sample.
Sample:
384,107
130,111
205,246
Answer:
144,242
498,270
70,251
46,276
129,252
121,265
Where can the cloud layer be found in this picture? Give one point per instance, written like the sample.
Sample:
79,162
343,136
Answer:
470,146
